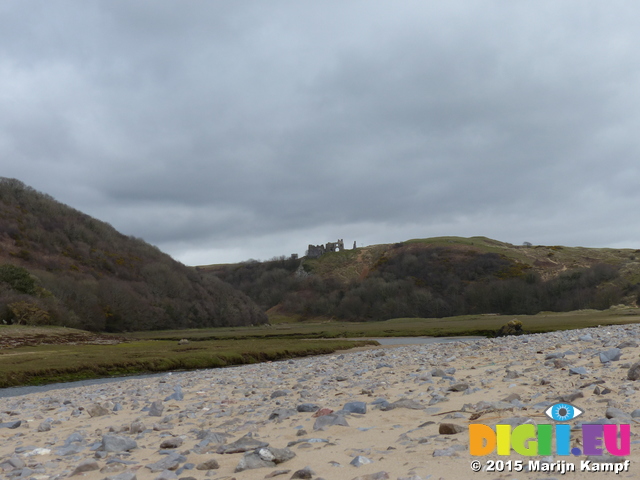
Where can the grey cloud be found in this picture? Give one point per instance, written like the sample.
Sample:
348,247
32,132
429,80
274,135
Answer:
226,123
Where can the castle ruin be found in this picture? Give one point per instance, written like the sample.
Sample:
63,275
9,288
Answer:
316,251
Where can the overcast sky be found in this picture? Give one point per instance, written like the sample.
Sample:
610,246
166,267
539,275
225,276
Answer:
223,131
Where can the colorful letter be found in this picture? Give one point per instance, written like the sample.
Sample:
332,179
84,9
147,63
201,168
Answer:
563,439
611,437
521,435
482,439
503,434
592,439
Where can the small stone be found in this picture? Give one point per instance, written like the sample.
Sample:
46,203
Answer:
85,466
11,425
611,355
156,409
634,372
373,476
208,465
326,421
114,443
458,387
173,442
450,429
97,410
307,407
360,460
355,407
279,393
305,474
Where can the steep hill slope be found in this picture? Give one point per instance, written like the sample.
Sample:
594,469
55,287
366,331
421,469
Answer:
60,266
440,277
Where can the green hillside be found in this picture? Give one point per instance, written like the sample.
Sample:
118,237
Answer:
59,266
439,277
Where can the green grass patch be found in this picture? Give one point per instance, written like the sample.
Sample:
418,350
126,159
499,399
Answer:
62,363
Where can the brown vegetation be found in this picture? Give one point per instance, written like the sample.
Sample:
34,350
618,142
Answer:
59,266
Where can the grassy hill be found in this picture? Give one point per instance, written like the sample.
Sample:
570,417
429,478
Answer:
59,266
438,277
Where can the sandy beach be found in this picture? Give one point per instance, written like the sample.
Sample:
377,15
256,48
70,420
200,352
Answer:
366,415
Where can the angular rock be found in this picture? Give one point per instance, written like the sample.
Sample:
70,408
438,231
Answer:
458,387
307,407
634,372
176,395
360,460
171,462
243,444
173,442
355,407
280,414
305,474
611,355
11,425
85,466
252,460
373,476
326,421
97,410
115,443
123,476
275,455
403,403
450,429
156,409
208,465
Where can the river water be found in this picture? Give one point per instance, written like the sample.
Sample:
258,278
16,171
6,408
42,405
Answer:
384,341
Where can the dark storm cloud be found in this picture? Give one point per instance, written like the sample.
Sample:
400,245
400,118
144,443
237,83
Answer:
250,129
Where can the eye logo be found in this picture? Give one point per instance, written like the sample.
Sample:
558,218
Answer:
563,412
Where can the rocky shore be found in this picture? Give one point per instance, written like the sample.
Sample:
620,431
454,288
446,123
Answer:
387,413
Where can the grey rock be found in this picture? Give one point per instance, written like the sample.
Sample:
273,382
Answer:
578,371
305,474
85,466
115,443
243,444
355,407
458,387
585,338
275,455
166,475
176,395
173,442
634,372
403,403
156,409
554,355
628,343
570,397
280,414
11,425
279,393
137,427
374,476
44,427
123,476
450,429
307,407
171,462
97,410
252,460
611,355
327,421
208,465
613,412
360,460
